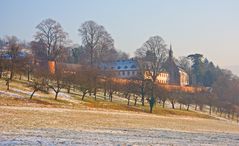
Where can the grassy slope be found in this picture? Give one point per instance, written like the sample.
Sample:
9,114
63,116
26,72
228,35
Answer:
47,100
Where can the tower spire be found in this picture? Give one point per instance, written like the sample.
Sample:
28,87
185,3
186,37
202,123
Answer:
170,52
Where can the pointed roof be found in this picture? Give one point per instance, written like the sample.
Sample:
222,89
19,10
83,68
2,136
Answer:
170,52
171,67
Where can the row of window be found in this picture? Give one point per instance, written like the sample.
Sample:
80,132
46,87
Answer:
162,81
127,73
125,67
163,75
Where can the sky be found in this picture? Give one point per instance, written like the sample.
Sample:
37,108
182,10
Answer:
210,27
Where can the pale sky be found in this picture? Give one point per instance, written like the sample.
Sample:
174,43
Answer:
210,27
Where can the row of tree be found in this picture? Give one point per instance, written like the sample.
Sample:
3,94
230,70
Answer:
51,43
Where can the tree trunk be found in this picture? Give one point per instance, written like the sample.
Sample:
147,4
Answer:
180,107
188,107
1,70
105,92
95,93
11,75
201,107
213,109
164,103
210,110
135,101
56,95
69,89
220,112
128,97
90,93
33,93
111,96
142,99
91,56
8,84
142,93
28,75
151,109
232,115
172,102
83,95
196,107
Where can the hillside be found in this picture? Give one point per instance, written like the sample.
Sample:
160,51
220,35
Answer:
69,120
20,92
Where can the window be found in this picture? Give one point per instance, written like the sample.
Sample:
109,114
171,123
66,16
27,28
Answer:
125,67
123,73
128,73
118,67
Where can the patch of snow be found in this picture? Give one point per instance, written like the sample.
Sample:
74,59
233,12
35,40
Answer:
25,92
7,93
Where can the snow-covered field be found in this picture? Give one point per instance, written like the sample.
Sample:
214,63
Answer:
58,126
49,136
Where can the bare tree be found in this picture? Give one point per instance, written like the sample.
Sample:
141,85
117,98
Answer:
39,82
13,51
186,98
141,77
56,80
129,89
51,37
153,53
162,93
174,95
96,40
112,86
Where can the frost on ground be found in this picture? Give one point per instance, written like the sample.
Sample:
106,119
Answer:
10,94
59,126
18,93
115,137
24,92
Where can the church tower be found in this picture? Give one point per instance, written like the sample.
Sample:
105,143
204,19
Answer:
172,68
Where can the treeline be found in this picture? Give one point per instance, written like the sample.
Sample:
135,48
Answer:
51,43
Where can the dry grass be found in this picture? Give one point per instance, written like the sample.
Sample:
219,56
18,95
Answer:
27,117
19,115
47,100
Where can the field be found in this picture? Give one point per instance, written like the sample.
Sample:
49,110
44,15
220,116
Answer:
71,121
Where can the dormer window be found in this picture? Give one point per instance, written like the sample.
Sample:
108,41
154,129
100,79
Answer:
133,66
